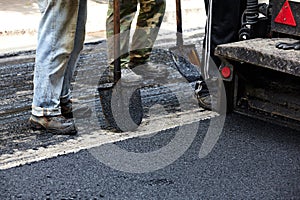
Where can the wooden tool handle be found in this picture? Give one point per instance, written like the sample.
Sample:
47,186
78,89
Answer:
179,38
117,59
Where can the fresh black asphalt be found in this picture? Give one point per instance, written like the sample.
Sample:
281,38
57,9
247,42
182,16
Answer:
251,160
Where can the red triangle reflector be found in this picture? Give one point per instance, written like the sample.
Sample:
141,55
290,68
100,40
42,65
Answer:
285,15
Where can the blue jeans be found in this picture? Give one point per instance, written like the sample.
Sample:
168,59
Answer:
60,41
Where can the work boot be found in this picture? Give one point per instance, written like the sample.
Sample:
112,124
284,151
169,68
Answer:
127,76
57,125
207,97
202,95
80,112
149,70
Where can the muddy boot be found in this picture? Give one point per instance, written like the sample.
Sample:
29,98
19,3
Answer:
57,125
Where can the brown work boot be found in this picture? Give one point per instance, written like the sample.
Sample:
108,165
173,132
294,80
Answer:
57,125
204,101
79,111
207,97
203,95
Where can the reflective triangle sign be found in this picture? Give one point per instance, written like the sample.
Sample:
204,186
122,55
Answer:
285,15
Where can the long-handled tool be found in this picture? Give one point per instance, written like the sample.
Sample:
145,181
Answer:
117,59
188,52
121,104
207,42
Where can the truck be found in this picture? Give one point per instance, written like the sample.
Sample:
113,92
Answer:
261,72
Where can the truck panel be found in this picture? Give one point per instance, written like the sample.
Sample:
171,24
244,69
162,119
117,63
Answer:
262,52
266,80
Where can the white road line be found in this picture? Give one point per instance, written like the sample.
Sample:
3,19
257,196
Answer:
100,137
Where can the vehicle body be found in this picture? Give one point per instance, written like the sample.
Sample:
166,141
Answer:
260,79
